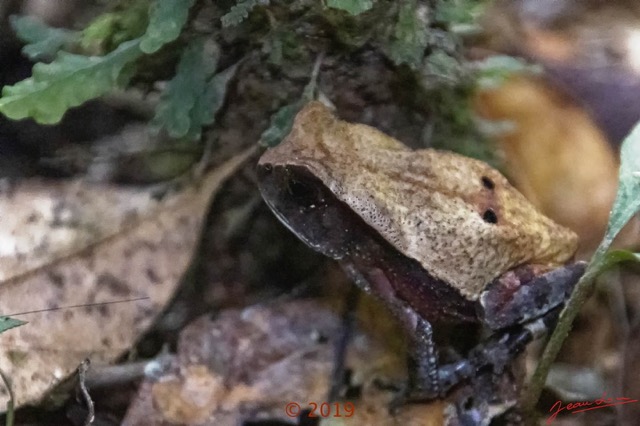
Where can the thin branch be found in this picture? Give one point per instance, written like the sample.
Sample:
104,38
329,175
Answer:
11,403
111,375
82,374
581,293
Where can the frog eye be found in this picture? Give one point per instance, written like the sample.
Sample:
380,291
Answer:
488,183
301,189
490,216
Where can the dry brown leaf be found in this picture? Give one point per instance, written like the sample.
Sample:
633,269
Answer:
259,359
188,399
73,243
589,49
599,33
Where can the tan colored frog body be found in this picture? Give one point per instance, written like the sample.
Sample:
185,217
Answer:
436,207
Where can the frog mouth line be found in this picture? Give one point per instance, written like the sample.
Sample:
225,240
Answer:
326,224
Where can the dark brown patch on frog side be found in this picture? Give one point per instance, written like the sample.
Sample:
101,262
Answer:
329,226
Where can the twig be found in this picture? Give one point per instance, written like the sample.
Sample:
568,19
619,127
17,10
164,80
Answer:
102,376
532,391
82,373
310,88
11,403
618,307
205,160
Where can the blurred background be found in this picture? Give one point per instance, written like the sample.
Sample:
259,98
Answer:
543,90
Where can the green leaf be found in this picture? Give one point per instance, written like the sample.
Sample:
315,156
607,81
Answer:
238,13
7,323
614,257
411,35
282,121
625,206
100,29
439,69
493,71
108,30
67,82
176,108
627,202
209,103
192,98
280,124
458,11
167,17
353,7
43,42
214,95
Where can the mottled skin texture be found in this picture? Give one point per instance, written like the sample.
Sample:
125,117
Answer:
428,204
440,238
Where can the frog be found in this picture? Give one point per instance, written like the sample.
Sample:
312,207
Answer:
443,240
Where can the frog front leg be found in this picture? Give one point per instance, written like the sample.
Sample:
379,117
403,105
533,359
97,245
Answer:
427,378
519,306
424,372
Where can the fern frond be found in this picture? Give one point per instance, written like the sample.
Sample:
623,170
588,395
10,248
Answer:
68,81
